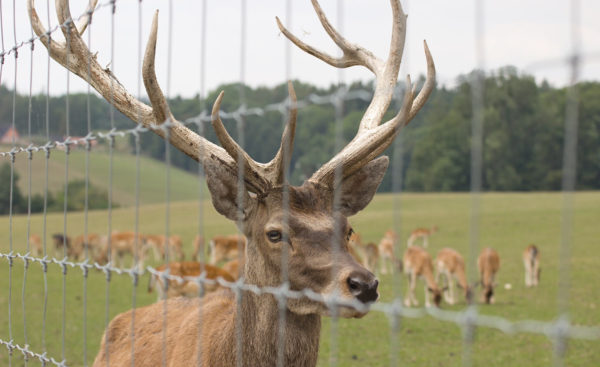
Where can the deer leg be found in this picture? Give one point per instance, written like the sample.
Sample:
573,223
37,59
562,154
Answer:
451,285
527,273
536,273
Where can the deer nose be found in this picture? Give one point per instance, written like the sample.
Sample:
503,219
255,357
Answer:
362,287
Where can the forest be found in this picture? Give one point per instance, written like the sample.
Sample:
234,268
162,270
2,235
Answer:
523,132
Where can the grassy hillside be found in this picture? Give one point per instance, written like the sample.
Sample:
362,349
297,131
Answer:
508,222
184,185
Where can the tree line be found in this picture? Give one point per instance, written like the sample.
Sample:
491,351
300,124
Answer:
523,132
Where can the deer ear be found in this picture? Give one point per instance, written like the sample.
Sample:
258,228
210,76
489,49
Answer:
224,186
357,190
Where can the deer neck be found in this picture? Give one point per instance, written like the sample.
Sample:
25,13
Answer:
428,275
261,322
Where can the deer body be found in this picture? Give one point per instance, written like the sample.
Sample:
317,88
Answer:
488,264
417,264
188,288
531,261
160,243
386,251
451,265
422,233
309,232
225,248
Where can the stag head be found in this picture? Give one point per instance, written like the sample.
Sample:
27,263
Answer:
307,226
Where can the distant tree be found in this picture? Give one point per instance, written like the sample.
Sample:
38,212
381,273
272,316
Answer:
5,191
97,198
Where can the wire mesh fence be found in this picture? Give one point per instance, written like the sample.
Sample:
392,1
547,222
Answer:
58,269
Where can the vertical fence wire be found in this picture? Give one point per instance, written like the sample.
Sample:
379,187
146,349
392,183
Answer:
66,243
337,180
477,125
569,181
285,200
167,131
88,146
241,189
29,180
46,183
111,149
200,240
138,259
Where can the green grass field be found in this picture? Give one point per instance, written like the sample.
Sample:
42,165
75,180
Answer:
508,222
152,175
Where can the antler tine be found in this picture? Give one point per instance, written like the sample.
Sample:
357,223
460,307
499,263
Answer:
284,154
57,50
427,87
367,146
85,65
160,107
252,170
87,17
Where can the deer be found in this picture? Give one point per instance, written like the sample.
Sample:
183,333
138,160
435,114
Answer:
488,263
450,264
114,248
92,241
225,248
386,252
159,243
35,243
531,261
61,241
417,263
198,246
310,231
422,233
168,288
371,258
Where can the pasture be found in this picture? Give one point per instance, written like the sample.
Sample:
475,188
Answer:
508,222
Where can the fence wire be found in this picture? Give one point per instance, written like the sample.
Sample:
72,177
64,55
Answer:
559,331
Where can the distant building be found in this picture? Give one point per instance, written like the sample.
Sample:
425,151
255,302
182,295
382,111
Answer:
7,134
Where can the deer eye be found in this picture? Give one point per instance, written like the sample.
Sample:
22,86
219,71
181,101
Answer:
274,236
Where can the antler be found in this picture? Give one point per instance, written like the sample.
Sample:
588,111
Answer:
75,56
372,138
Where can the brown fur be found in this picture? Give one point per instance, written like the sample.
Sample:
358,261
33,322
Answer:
226,248
35,245
234,267
198,246
121,244
158,245
311,232
61,241
417,263
386,252
452,265
93,242
371,256
187,288
422,233
488,264
531,261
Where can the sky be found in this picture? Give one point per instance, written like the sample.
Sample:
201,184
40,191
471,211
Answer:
536,36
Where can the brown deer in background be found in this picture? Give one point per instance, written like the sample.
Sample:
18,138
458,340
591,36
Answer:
417,264
451,265
312,233
488,264
531,261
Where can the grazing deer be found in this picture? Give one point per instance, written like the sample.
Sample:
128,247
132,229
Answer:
311,229
355,247
158,244
417,263
93,242
531,260
121,244
168,288
35,245
61,241
198,246
422,233
488,264
386,252
225,248
371,252
451,265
